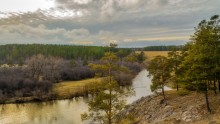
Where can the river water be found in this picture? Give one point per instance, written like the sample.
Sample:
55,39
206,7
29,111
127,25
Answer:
63,111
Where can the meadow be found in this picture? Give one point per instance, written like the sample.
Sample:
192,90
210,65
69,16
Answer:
69,89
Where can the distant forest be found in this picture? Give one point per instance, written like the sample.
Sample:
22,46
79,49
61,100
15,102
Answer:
18,53
163,48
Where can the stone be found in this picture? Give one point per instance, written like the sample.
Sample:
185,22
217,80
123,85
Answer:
191,114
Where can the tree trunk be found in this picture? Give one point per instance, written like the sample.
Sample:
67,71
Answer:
164,97
215,86
110,108
218,85
177,86
209,84
110,92
207,99
217,82
109,120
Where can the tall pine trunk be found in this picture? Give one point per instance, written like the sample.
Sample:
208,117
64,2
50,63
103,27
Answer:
164,97
218,82
218,85
110,93
177,86
207,98
215,86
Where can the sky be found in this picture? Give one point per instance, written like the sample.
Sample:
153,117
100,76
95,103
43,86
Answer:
129,23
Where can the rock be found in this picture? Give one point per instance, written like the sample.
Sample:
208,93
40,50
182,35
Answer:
191,114
153,109
147,117
168,111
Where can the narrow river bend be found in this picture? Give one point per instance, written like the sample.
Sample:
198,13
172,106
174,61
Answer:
62,111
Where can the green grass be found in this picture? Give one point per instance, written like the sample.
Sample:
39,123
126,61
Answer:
183,92
70,88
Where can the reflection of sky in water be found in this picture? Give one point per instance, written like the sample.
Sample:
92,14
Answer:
62,111
141,85
54,112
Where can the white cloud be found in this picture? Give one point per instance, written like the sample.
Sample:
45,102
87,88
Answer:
63,13
25,5
40,34
82,1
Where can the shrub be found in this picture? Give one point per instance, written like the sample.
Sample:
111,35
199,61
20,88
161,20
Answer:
191,87
183,92
123,78
77,73
13,82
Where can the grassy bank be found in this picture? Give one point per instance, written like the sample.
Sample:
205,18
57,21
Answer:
62,90
68,89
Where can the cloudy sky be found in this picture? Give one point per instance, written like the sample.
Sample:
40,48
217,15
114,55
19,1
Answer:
130,23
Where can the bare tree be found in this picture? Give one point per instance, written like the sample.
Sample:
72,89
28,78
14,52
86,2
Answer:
36,65
52,70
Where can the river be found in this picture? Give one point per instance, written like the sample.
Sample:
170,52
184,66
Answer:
63,111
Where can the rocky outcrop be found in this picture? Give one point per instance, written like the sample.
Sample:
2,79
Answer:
153,109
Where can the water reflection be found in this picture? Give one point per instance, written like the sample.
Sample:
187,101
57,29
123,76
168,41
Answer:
54,112
62,111
141,84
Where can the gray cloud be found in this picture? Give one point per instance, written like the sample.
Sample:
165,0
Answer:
96,22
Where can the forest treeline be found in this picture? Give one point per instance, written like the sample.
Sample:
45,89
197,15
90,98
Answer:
18,53
164,48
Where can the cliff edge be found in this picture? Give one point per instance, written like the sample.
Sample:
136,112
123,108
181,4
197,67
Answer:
177,109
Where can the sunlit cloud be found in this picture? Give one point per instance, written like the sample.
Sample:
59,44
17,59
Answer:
62,13
25,5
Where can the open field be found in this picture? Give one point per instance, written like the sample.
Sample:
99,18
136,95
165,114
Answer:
68,89
151,54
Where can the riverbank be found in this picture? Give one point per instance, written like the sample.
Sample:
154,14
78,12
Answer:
66,111
69,89
60,91
188,108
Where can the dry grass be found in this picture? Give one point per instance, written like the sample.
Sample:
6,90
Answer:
197,99
151,54
70,88
62,90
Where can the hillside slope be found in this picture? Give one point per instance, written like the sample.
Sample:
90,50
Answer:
190,108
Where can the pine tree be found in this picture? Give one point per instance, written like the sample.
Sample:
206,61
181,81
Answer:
109,100
202,62
159,69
